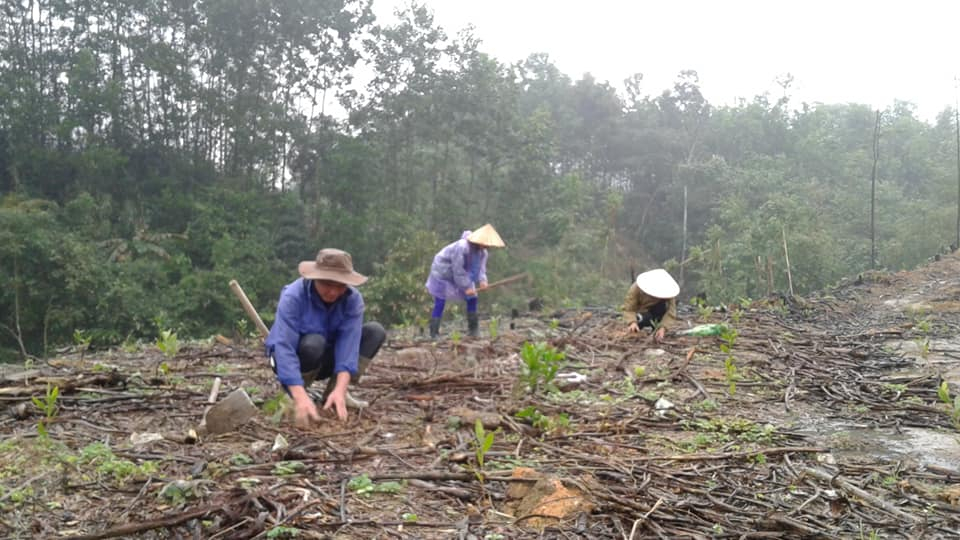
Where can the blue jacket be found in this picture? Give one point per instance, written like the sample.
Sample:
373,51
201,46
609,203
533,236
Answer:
301,311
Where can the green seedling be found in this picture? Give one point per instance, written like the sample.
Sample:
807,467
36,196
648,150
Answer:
494,327
289,468
728,338
541,362
168,343
362,485
82,340
708,405
536,418
241,459
106,463
943,392
542,421
48,406
730,370
129,346
243,328
281,532
483,441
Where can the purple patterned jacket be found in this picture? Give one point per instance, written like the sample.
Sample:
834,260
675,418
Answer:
450,271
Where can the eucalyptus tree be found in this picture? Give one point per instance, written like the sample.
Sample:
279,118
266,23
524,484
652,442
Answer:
396,111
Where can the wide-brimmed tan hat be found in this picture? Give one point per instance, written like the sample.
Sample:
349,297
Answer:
658,284
334,265
486,236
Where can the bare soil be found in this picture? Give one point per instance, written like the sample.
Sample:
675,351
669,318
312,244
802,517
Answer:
780,430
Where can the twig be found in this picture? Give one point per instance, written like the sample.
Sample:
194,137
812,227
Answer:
735,455
343,500
164,522
835,480
640,520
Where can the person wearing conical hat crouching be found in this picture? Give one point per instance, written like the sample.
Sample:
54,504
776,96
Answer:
651,303
458,271
319,334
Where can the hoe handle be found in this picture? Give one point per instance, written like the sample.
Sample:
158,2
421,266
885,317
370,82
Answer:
248,307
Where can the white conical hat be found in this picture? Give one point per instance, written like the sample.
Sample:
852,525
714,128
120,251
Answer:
658,284
486,236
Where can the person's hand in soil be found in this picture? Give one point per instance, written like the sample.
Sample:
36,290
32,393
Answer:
304,410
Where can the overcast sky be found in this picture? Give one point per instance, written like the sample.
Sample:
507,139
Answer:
837,51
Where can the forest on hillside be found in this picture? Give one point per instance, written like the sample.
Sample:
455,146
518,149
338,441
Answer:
152,151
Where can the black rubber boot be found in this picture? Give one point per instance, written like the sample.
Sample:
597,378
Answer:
434,327
473,324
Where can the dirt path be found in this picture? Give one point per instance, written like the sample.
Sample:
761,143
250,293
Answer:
813,418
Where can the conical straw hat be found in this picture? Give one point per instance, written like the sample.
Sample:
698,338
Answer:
486,236
658,284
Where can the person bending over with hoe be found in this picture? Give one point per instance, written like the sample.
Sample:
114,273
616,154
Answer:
319,333
458,271
651,303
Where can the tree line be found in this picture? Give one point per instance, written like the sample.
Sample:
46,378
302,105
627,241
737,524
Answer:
152,151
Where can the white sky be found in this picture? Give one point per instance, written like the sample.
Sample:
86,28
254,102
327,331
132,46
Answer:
837,51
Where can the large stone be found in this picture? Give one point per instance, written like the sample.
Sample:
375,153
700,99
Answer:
547,500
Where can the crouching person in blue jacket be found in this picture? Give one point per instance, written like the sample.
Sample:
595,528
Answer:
319,334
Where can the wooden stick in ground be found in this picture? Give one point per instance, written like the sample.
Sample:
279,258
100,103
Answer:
786,256
215,390
505,281
248,308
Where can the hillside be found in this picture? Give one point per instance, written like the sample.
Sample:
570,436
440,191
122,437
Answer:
815,417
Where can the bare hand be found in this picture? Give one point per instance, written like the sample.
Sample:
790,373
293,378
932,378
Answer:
337,401
658,335
470,292
304,412
483,285
634,327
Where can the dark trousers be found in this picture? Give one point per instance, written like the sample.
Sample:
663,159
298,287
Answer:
655,315
316,355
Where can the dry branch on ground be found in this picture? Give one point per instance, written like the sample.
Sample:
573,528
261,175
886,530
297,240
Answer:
658,442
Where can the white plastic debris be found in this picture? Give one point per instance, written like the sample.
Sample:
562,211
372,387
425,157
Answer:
139,439
663,404
572,377
279,443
